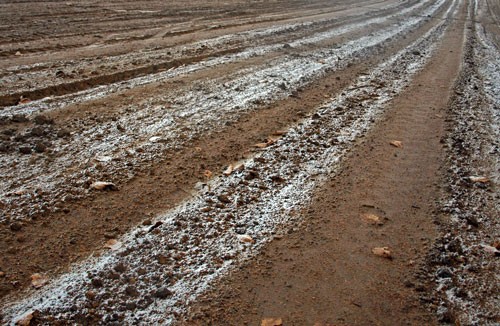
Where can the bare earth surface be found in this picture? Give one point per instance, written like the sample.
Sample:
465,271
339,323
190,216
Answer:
235,163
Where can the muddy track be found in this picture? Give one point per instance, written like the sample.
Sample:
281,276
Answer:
277,103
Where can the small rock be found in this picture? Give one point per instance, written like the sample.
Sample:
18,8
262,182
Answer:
63,133
101,185
25,319
472,220
37,132
444,273
4,147
113,244
228,170
38,280
240,230
96,282
163,293
110,235
224,199
130,305
162,260
42,120
396,143
415,52
409,284
19,118
382,252
246,238
132,291
25,150
491,250
120,268
251,175
271,322
40,147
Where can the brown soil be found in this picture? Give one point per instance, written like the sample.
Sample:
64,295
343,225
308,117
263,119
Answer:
52,241
321,273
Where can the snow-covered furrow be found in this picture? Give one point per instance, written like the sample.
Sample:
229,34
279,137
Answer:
160,269
155,127
465,272
219,42
38,71
490,73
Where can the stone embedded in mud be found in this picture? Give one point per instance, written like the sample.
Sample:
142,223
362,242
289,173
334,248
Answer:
224,199
16,226
113,244
373,219
271,322
245,238
261,145
40,147
163,293
42,120
479,179
25,150
101,185
132,291
397,143
444,273
382,252
38,280
19,118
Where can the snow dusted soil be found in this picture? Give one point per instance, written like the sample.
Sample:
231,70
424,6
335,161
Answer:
465,262
151,274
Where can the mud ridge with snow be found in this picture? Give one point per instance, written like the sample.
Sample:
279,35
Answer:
464,263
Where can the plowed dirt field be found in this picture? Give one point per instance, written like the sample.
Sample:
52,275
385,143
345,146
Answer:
250,162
